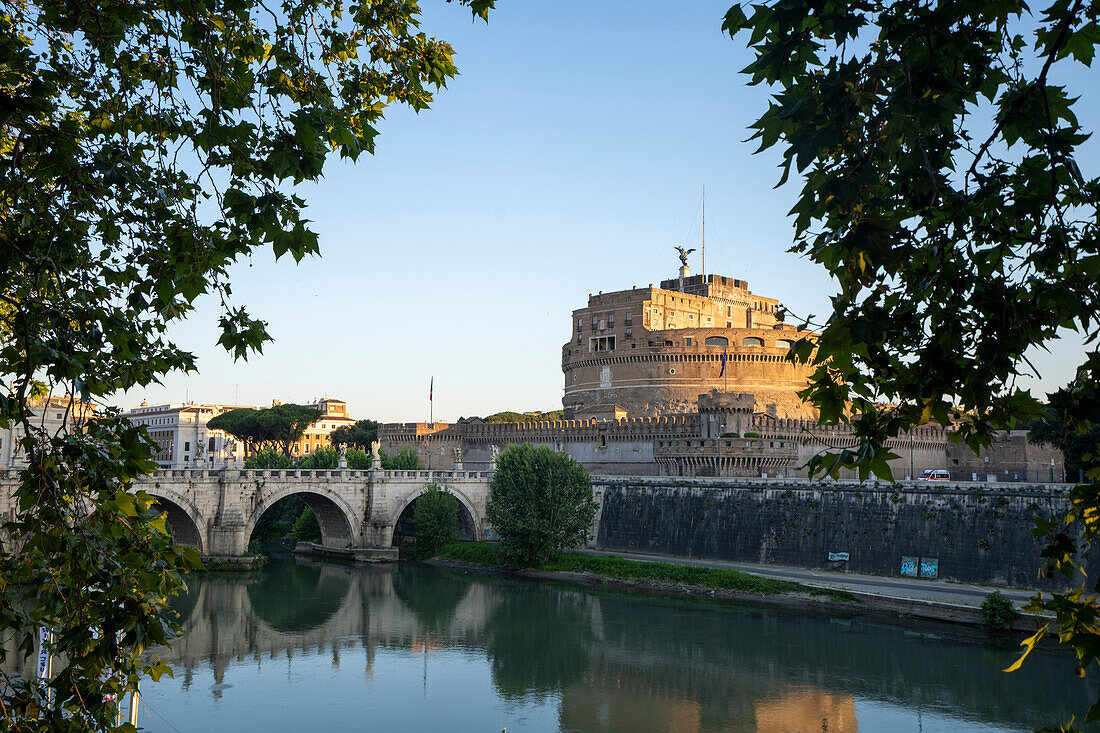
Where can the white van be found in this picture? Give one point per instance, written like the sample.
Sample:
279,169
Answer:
934,474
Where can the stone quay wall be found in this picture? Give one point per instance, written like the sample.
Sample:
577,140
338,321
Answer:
962,532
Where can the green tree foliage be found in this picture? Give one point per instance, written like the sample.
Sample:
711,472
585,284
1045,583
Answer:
403,460
941,191
275,526
145,147
1079,447
436,517
325,458
305,528
359,460
998,613
280,426
532,416
358,435
539,501
268,458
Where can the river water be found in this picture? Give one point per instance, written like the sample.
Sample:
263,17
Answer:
301,646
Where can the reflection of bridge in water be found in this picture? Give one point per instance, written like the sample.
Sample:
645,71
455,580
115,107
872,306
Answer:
614,661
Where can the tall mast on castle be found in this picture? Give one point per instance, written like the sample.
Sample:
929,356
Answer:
703,246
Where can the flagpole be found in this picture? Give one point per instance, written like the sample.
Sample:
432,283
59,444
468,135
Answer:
431,418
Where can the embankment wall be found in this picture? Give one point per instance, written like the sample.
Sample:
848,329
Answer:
976,534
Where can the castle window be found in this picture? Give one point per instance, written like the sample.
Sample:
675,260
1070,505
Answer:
717,341
668,343
729,325
580,324
629,318
752,341
783,344
687,341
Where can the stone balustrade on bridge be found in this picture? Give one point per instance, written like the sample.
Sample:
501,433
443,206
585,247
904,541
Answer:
216,511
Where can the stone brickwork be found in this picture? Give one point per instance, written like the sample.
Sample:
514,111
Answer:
974,533
653,351
216,510
694,444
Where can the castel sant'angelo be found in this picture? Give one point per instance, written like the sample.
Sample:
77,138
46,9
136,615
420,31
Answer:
646,352
692,379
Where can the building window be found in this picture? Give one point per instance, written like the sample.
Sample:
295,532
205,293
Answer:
210,447
717,341
629,332
578,339
783,344
595,321
752,341
629,318
687,341
672,370
187,445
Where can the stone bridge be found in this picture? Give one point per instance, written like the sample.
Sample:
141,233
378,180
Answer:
215,511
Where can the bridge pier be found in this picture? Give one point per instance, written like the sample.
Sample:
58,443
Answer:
216,510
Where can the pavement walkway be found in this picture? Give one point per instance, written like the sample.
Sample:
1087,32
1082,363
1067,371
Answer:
940,591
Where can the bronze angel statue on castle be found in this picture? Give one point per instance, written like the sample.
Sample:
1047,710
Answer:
684,255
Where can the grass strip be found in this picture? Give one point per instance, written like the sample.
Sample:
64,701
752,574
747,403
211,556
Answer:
610,566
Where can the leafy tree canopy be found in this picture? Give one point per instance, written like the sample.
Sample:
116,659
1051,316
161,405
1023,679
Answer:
361,434
942,191
403,460
279,426
145,147
531,416
539,501
436,517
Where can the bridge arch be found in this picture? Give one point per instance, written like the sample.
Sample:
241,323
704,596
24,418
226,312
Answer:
334,515
185,522
467,515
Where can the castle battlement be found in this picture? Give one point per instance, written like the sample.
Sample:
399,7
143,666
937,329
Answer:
652,351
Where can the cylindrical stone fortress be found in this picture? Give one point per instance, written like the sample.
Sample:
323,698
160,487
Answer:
653,351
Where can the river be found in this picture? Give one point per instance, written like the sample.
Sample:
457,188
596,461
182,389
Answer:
302,646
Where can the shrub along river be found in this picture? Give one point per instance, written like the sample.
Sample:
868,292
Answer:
303,646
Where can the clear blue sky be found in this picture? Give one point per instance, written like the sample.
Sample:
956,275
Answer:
567,158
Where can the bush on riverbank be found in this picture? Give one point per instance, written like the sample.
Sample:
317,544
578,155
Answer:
609,566
998,613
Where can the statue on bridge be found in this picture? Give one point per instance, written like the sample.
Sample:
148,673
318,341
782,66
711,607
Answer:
343,462
375,459
495,451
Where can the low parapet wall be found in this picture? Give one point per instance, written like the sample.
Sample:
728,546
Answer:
963,532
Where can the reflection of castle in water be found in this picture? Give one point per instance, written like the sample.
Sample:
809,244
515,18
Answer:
615,663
